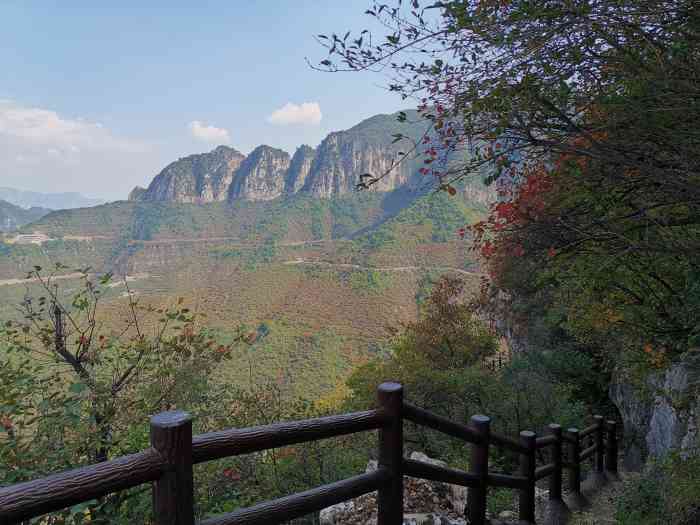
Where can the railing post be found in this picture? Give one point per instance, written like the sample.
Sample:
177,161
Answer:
555,478
599,445
173,498
557,510
611,450
576,500
479,466
527,470
390,497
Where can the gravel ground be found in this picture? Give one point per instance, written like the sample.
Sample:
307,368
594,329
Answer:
602,510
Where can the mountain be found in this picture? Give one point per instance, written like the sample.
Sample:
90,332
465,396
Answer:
299,168
365,148
331,170
261,176
12,217
198,178
52,201
273,240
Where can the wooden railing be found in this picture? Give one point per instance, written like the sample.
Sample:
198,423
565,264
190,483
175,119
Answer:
168,465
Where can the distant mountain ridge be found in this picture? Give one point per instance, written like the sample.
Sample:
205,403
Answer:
13,217
331,170
51,201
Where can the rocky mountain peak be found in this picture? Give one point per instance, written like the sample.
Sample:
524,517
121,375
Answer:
343,156
299,168
200,178
137,193
261,176
332,169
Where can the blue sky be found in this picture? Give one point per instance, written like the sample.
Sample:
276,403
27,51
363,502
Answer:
98,99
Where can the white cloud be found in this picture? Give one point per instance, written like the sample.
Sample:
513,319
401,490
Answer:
35,127
48,151
205,133
305,113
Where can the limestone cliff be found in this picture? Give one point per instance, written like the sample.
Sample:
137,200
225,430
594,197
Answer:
198,178
343,156
662,414
333,169
299,168
137,194
261,176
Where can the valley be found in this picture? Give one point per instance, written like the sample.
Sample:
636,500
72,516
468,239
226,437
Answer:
285,246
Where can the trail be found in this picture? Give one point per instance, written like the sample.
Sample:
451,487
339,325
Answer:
193,240
603,504
384,268
10,282
76,275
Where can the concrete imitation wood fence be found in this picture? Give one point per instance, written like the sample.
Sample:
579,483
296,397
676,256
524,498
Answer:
168,466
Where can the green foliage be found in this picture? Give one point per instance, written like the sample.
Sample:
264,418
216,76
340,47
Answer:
75,392
438,359
13,217
667,492
499,499
432,218
350,213
370,280
424,288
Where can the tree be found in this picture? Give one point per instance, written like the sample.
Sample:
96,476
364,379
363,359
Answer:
77,391
439,359
79,387
585,114
532,78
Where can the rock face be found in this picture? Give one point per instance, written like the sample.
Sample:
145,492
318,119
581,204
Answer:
137,194
343,156
664,415
299,168
198,178
425,503
333,169
261,176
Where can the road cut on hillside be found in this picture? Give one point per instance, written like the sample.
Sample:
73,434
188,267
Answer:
384,268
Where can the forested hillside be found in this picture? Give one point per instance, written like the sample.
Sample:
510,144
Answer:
523,245
13,217
586,115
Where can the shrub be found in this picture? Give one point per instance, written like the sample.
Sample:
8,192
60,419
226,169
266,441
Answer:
667,492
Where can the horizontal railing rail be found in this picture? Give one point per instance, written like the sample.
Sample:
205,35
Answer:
442,424
58,491
304,503
422,470
236,442
168,465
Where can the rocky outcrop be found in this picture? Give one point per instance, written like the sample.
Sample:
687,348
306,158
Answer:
663,414
261,176
200,178
137,194
343,157
425,502
299,168
335,168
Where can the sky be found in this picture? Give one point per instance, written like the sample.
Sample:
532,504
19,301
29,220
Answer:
99,99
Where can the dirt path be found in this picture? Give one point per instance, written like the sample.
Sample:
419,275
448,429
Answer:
602,510
76,275
194,240
9,282
383,268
